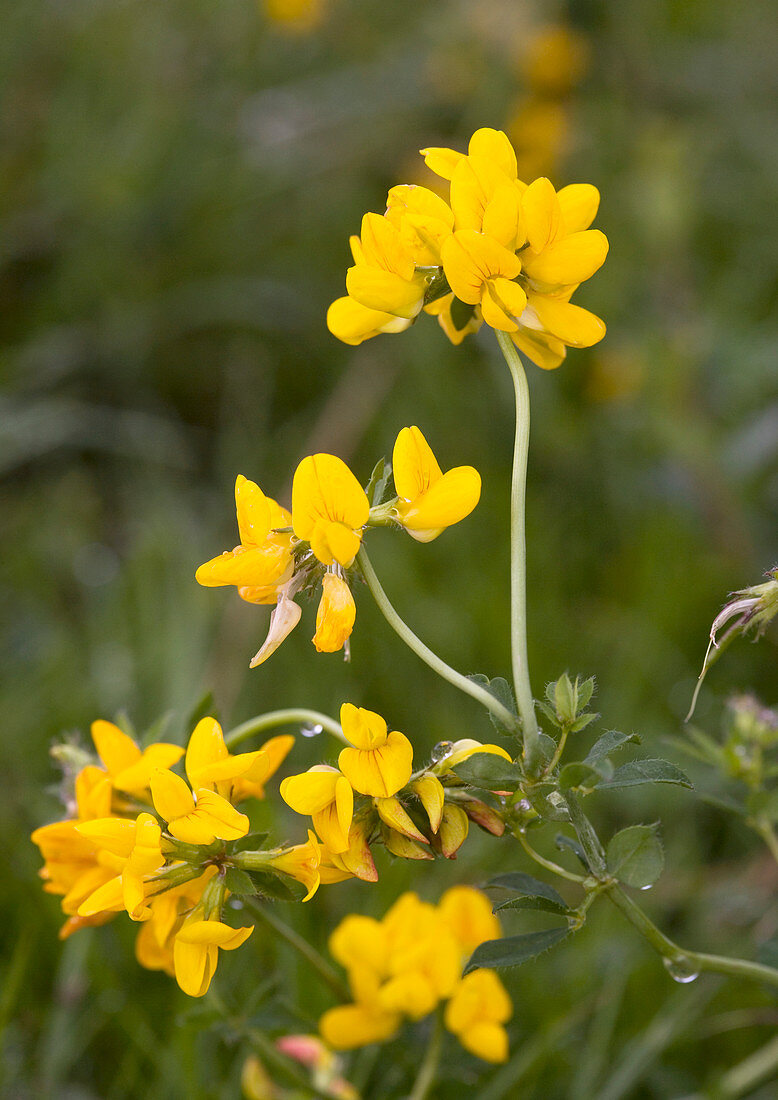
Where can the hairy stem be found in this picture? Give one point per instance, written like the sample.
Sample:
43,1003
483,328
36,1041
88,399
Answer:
297,716
316,961
547,863
519,660
501,713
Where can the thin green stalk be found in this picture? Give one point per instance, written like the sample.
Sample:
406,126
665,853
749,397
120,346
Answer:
768,835
521,682
316,961
752,1071
297,716
428,1069
470,687
547,863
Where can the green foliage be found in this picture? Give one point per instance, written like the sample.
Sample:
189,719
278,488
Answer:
488,772
515,950
635,855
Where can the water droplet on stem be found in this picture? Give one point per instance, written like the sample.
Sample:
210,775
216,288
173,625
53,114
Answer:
681,969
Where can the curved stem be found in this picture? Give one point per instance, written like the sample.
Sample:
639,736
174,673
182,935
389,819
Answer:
547,863
521,681
428,1069
297,716
470,687
301,945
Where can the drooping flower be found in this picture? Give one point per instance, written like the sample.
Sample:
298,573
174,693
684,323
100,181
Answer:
196,951
336,614
429,500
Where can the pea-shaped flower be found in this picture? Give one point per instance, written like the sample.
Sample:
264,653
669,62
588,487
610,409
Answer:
429,500
329,508
380,763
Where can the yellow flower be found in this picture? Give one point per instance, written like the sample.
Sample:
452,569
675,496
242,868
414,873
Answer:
327,796
301,862
196,951
423,219
392,813
456,318
465,748
335,616
430,500
354,323
480,271
195,818
295,15
356,860
454,827
431,793
384,275
347,1027
380,763
329,508
468,913
137,845
128,768
155,941
210,765
476,1012
262,561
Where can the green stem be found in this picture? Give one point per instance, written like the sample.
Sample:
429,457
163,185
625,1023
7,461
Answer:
742,1078
501,713
519,660
297,716
767,833
547,863
558,754
428,1069
590,842
316,961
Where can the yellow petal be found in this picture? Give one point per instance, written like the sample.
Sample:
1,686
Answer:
363,728
494,145
414,466
542,214
213,932
382,771
579,203
250,566
385,291
410,993
468,913
206,746
429,790
116,750
569,260
137,776
382,247
311,791
170,794
572,325
220,816
545,351
449,500
487,1041
467,747
474,185
360,942
195,965
453,830
402,846
504,217
350,1026
353,323
393,814
107,898
325,489
441,161
470,258
253,510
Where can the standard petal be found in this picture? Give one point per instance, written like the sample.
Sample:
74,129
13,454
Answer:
572,259
363,728
253,510
414,466
449,500
170,794
116,750
542,213
494,145
579,203
325,488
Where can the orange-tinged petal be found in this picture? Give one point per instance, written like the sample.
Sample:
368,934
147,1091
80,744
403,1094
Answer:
579,203
571,259
454,827
116,750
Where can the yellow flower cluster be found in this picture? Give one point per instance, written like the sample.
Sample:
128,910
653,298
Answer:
140,839
374,794
408,963
283,553
501,251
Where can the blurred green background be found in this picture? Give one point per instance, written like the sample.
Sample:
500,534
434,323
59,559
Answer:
177,185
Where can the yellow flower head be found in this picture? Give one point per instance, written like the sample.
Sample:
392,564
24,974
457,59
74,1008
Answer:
262,561
354,323
384,275
336,614
210,765
137,846
423,219
327,796
468,913
430,500
127,767
195,818
329,508
380,762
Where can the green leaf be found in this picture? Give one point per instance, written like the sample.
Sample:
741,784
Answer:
548,711
724,802
502,692
646,771
489,772
635,857
379,479
514,950
582,774
542,904
584,721
281,887
239,882
251,842
519,883
563,842
585,692
608,743
546,800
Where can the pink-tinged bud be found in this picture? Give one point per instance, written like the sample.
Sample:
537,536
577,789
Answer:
309,1050
453,831
484,816
401,846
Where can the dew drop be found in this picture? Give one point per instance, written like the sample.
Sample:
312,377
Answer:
681,970
647,886
312,731
442,749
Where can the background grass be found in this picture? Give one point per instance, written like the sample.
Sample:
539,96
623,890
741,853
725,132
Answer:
177,188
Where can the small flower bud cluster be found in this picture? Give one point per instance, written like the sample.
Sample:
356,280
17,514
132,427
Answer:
283,553
404,966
